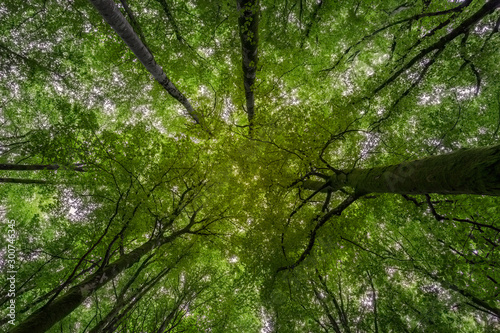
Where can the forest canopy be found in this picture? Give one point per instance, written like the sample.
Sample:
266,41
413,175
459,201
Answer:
249,166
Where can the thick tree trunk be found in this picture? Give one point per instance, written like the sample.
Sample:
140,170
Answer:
44,318
112,15
467,171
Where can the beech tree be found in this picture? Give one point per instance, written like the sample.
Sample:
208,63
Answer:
250,166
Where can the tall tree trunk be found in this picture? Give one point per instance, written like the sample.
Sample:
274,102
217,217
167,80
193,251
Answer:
492,309
47,316
127,304
22,181
312,21
467,171
32,167
112,15
249,36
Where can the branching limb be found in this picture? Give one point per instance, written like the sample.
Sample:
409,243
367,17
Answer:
408,19
439,217
495,30
340,310
320,219
487,9
319,298
422,74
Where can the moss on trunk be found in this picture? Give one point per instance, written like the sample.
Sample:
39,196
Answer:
467,171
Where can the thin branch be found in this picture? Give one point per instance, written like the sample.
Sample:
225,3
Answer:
439,217
23,181
321,220
487,9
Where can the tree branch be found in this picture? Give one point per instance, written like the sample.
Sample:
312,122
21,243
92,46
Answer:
488,8
321,220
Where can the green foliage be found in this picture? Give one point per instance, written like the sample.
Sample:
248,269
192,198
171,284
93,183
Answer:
340,85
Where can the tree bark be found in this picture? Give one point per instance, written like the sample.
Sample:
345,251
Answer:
32,167
467,171
43,319
171,20
112,317
112,15
23,181
249,35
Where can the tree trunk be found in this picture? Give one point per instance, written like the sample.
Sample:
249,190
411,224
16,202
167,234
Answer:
249,36
47,316
22,181
112,318
32,167
467,171
112,15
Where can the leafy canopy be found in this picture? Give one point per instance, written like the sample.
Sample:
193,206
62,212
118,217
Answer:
99,159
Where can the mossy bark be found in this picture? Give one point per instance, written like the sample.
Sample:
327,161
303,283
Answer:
467,171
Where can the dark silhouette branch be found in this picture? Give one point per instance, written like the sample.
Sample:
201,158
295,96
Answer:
320,219
487,9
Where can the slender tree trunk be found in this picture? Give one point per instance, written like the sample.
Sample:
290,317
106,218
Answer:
32,167
249,36
23,181
112,15
467,171
171,20
328,314
44,318
111,318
